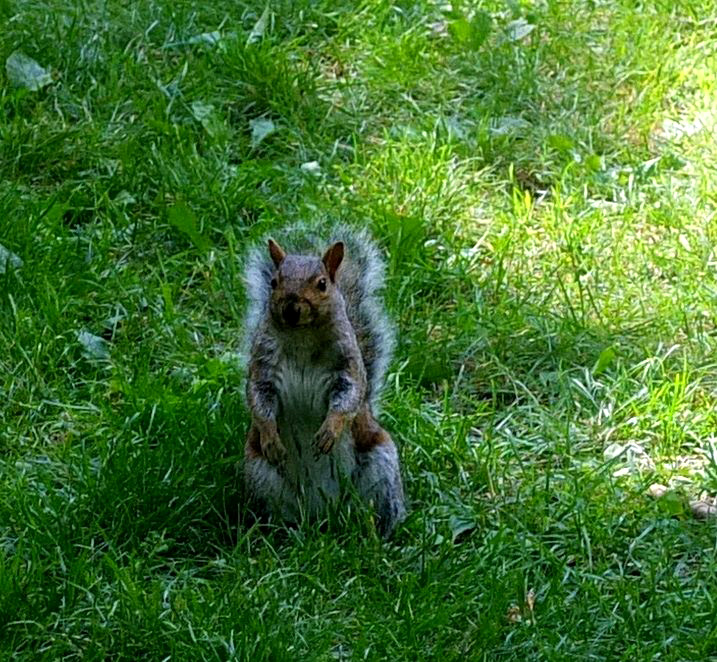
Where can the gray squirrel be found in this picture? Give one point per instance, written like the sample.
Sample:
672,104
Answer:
320,342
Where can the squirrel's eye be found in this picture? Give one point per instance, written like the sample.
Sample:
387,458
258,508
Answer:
274,283
321,284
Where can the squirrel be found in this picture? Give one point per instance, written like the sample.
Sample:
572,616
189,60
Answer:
320,342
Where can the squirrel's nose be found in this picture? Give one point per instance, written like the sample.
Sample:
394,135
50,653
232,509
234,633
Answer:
291,313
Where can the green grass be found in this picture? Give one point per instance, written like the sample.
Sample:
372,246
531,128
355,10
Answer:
548,210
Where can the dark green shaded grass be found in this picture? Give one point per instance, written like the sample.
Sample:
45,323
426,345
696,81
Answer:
550,247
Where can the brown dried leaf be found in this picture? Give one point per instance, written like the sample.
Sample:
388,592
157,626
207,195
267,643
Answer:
703,509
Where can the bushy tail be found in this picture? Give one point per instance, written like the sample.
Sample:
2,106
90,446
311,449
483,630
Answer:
360,278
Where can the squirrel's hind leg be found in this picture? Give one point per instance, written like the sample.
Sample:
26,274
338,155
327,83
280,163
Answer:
269,490
378,475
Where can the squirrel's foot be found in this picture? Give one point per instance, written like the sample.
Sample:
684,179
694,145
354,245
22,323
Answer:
329,433
271,447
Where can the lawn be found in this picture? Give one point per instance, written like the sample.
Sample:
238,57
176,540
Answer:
541,178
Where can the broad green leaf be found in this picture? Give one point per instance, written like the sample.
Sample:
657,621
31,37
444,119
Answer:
471,33
607,356
8,259
257,32
260,129
311,167
202,111
672,503
430,367
210,38
561,142
593,162
459,526
461,29
205,114
184,219
93,347
508,125
481,26
125,198
519,29
23,71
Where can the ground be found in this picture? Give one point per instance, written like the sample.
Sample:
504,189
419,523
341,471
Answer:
541,177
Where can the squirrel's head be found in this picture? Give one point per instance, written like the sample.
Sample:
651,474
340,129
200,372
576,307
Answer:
303,287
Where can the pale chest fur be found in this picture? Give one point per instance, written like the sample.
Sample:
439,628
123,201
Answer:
303,387
303,384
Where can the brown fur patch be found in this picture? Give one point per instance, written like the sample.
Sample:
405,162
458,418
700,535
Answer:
332,259
276,252
366,432
330,431
252,449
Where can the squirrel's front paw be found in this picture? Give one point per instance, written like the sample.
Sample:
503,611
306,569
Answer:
272,448
329,432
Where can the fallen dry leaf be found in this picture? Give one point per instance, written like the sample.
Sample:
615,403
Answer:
703,509
514,615
518,614
700,508
656,490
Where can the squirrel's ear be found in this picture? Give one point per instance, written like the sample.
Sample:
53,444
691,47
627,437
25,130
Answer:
332,258
277,253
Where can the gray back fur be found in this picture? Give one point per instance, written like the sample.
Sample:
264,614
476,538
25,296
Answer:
360,278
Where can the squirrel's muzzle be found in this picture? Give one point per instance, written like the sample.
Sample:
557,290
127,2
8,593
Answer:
291,313
292,310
